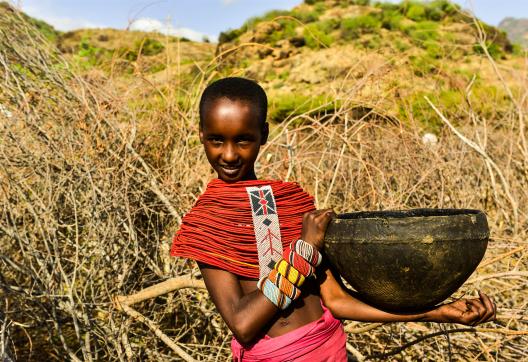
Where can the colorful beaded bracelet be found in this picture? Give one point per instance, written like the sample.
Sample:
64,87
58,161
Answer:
284,284
298,262
289,272
307,251
273,293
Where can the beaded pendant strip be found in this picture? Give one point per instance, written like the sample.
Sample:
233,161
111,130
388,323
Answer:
266,227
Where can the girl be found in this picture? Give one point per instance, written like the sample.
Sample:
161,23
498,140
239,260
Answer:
257,245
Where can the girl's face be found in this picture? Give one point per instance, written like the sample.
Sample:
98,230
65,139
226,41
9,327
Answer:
232,136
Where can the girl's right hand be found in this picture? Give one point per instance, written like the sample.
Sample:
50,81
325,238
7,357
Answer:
465,311
314,226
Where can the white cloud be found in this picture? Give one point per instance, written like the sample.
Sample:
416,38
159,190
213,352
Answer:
58,22
150,24
228,2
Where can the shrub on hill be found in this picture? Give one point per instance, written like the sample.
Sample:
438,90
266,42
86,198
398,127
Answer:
293,104
149,47
317,35
307,16
88,55
352,28
416,12
288,21
230,35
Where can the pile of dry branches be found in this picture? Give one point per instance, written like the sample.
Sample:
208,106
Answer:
91,192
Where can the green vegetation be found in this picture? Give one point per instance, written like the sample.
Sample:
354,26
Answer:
88,55
419,109
419,33
493,49
307,16
233,34
286,31
416,12
288,105
423,23
317,35
149,47
427,38
487,101
287,21
352,28
44,28
423,65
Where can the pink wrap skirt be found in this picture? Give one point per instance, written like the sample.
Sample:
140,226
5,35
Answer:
322,340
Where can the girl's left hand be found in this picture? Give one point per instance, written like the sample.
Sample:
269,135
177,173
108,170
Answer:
314,226
470,312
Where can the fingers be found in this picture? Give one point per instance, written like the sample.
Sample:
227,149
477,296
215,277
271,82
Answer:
320,212
323,215
479,310
314,226
491,308
459,305
326,216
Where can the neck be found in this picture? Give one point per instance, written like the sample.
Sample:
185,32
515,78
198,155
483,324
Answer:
251,176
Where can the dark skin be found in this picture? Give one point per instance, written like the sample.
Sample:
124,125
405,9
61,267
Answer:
232,136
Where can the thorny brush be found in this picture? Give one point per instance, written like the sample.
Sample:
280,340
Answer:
91,193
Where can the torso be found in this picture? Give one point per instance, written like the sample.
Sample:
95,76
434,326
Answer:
304,310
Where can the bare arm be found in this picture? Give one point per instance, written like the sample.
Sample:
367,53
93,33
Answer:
244,314
345,306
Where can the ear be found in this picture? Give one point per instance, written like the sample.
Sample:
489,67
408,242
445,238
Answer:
265,133
200,134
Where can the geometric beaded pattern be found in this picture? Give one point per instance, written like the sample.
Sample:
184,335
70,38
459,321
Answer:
265,226
290,273
307,251
284,285
298,262
273,293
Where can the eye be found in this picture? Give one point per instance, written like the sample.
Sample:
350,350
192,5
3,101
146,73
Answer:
245,140
215,140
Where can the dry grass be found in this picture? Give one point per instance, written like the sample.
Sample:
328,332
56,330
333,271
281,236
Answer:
92,191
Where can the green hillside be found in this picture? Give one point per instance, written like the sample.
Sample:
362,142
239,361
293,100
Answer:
411,49
373,59
124,52
100,158
46,29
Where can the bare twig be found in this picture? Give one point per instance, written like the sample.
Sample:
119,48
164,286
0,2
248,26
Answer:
159,289
154,328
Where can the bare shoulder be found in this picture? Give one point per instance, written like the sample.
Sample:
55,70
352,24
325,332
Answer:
218,281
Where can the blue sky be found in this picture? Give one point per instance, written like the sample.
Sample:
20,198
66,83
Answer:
196,18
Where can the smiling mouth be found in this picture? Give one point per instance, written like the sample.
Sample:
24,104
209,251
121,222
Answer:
230,170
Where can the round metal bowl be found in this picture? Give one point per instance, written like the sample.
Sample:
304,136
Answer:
407,260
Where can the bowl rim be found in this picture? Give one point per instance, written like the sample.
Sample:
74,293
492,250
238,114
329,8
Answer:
400,214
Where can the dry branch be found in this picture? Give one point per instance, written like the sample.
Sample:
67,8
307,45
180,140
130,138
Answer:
156,290
480,151
154,328
357,330
86,213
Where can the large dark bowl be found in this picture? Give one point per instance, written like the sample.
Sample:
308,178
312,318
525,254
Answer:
407,260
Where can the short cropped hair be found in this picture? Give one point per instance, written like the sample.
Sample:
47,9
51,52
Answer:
235,89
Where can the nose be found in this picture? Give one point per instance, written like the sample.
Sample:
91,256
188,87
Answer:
229,155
